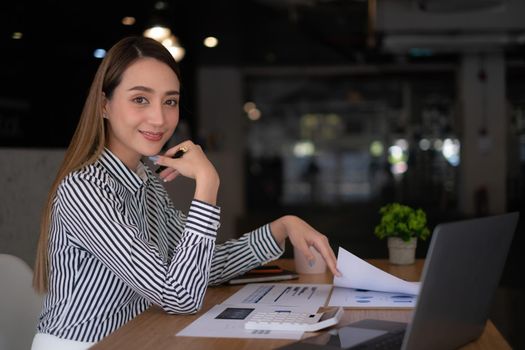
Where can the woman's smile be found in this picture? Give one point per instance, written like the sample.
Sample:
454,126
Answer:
152,136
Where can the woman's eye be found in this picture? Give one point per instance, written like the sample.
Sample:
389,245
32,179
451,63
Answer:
172,103
140,100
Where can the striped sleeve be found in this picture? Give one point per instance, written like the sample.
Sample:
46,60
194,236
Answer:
237,256
99,222
203,219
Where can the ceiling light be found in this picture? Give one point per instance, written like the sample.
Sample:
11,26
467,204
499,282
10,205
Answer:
248,106
211,41
159,30
177,52
99,53
160,5
254,114
158,33
174,47
128,21
170,41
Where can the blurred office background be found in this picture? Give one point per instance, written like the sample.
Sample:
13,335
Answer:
327,109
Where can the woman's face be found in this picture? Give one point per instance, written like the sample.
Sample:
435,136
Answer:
143,111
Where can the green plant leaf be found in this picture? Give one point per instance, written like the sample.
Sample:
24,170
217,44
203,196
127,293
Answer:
403,221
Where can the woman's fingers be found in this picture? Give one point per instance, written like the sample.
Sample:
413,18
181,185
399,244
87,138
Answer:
185,159
323,247
184,146
170,175
307,236
304,248
302,235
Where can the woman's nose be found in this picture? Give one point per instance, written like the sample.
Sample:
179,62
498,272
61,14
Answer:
156,116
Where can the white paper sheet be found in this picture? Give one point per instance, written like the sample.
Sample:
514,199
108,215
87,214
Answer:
358,298
279,294
359,274
208,325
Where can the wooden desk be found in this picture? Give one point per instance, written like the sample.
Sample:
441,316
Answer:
155,329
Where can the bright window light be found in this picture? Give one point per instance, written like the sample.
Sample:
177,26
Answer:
376,148
424,144
438,145
451,149
402,143
399,168
304,149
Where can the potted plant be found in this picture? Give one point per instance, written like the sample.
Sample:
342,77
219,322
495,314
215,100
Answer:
402,225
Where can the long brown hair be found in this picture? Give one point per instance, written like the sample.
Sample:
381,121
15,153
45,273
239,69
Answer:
89,138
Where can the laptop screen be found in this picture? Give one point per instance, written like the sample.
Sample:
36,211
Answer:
461,274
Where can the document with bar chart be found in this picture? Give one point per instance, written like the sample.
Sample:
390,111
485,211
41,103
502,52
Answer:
227,320
363,285
359,298
278,294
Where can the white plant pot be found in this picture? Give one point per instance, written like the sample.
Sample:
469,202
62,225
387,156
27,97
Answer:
401,252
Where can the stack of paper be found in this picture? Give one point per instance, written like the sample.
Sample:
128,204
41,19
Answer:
365,286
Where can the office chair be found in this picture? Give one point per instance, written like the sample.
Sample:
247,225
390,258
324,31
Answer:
19,304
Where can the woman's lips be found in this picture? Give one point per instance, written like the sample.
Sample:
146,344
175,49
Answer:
152,136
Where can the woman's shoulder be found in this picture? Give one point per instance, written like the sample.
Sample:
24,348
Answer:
88,175
87,187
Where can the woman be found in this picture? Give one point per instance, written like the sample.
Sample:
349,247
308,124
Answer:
111,242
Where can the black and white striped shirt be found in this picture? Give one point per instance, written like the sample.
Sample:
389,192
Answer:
117,245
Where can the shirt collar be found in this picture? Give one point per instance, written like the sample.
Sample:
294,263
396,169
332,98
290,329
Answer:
128,178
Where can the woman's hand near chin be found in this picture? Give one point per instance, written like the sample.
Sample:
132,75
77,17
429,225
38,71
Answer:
195,165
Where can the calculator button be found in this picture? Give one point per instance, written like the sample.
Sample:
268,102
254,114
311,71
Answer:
291,321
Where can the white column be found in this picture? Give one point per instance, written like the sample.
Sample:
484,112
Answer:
482,105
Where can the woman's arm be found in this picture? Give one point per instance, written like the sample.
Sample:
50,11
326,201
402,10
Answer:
266,244
104,224
237,256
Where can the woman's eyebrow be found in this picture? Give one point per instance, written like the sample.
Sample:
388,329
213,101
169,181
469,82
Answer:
172,92
150,90
141,88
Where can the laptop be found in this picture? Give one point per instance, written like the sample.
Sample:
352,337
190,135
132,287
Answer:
462,270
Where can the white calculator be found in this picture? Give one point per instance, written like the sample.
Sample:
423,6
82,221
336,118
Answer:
293,321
